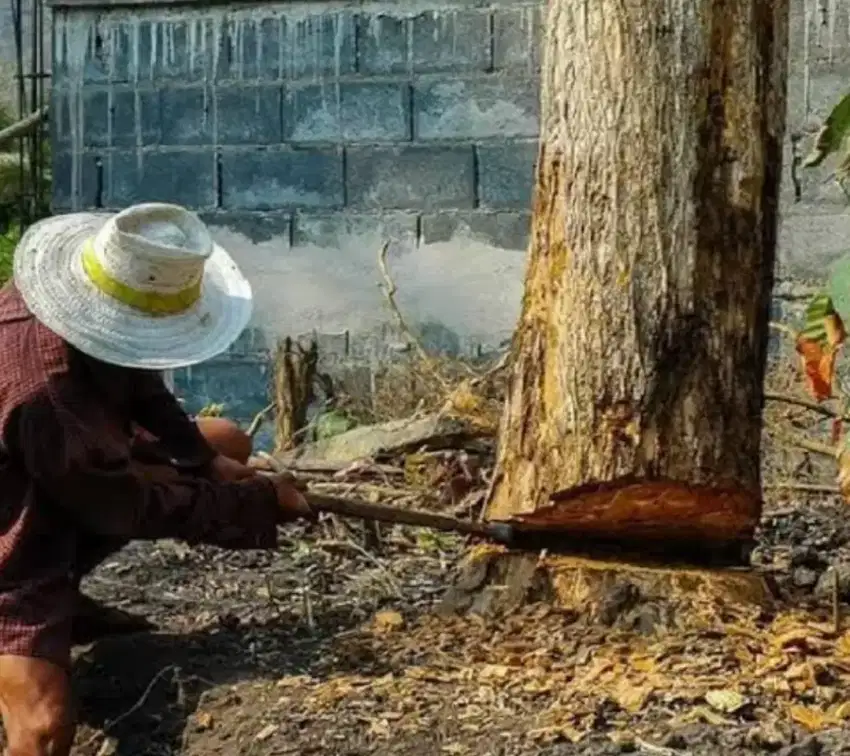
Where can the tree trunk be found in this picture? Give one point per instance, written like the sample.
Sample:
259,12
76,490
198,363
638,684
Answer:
641,348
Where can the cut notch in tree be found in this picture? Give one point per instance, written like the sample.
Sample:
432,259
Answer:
639,358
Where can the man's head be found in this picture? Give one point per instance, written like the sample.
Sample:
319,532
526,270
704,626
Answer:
146,288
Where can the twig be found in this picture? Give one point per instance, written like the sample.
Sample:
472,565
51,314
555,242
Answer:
657,750
258,420
362,488
805,443
782,328
308,607
389,288
805,404
500,365
810,487
135,707
23,126
390,578
836,603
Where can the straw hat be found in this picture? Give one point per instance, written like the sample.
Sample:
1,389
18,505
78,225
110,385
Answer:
146,288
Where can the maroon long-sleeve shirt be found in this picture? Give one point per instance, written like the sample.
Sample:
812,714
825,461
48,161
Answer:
66,476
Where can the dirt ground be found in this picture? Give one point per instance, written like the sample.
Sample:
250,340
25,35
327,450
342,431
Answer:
324,647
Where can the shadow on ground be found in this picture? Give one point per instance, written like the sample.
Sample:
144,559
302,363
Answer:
141,690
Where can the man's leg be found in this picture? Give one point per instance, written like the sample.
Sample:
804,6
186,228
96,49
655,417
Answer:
37,707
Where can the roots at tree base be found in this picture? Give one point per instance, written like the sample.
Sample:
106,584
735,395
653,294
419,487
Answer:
493,581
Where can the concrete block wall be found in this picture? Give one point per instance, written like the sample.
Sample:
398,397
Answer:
307,133
310,113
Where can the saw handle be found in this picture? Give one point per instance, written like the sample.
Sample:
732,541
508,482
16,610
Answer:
363,510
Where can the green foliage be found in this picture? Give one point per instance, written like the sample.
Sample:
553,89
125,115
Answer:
332,423
212,410
19,191
8,241
833,137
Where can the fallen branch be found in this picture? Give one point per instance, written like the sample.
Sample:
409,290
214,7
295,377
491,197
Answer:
390,289
22,127
257,422
782,328
805,404
808,487
110,724
805,443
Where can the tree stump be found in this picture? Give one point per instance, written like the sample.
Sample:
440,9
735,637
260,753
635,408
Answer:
494,581
295,373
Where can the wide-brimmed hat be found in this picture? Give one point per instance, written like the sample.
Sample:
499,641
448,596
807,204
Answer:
145,288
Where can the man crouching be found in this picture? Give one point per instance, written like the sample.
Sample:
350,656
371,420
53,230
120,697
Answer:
95,450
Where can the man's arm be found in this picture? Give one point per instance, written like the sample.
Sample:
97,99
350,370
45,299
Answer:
157,410
62,445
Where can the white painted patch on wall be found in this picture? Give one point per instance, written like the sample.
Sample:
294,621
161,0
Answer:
471,287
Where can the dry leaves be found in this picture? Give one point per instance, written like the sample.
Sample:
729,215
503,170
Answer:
818,345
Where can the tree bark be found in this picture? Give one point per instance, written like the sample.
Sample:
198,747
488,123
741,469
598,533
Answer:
641,348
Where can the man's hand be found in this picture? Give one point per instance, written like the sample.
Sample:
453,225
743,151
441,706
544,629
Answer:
226,470
291,501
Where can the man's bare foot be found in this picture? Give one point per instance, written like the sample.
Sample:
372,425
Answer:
94,621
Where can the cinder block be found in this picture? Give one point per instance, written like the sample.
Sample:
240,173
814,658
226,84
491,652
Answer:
410,177
331,230
350,112
318,45
251,343
259,227
828,38
475,109
507,230
452,40
375,112
135,49
249,48
506,174
97,60
186,116
60,122
383,44
85,195
96,126
135,117
248,114
184,50
182,177
240,385
516,38
269,180
811,239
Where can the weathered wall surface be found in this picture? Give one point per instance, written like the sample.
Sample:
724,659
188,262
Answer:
306,133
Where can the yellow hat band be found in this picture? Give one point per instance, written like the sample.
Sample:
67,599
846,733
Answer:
149,302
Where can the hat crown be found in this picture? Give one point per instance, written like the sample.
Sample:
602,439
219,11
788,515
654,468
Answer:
154,247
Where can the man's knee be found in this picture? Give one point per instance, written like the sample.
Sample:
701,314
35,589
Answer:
226,438
44,731
37,709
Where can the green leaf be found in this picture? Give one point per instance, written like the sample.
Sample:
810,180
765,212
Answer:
832,136
8,242
332,423
819,309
